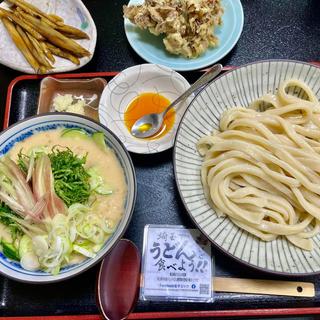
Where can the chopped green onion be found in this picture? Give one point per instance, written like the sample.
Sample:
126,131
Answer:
84,251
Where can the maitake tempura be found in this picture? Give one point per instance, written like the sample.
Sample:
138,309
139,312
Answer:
187,25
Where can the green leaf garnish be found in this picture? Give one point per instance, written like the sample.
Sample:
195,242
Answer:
6,215
10,251
71,181
23,160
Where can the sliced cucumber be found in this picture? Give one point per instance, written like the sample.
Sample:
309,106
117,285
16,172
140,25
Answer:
84,251
75,133
96,182
98,138
29,260
25,245
10,251
104,190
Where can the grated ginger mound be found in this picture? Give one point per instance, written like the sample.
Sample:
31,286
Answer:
66,103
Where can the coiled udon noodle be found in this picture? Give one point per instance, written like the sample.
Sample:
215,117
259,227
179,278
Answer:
262,169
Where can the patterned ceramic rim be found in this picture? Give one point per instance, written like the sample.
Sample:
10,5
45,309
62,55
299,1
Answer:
126,86
299,262
83,17
47,121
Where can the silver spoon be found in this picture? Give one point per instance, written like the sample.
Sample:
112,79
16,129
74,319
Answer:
150,124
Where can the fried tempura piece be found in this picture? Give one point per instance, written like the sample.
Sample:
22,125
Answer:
187,26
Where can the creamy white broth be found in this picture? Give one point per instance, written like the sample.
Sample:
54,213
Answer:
106,162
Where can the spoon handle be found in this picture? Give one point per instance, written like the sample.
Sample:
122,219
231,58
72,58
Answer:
204,79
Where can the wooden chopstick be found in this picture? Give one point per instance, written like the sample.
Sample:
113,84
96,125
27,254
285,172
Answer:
270,287
258,286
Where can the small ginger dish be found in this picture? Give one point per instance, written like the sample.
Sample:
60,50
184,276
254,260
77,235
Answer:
137,91
79,96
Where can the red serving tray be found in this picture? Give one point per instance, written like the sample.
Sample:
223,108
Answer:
259,313
73,75
152,315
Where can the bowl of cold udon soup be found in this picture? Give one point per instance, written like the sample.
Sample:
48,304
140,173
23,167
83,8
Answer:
67,193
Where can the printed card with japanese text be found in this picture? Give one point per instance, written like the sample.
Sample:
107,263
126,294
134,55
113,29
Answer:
177,264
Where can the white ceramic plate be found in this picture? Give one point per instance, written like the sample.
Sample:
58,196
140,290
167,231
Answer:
151,48
127,85
74,13
238,88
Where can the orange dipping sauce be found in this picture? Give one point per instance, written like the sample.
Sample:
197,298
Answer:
146,103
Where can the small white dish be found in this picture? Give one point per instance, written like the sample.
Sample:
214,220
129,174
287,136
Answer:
126,86
74,13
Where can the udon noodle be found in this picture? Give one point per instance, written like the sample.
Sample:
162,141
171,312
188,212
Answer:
262,169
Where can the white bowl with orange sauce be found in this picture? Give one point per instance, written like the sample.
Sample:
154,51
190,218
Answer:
137,91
